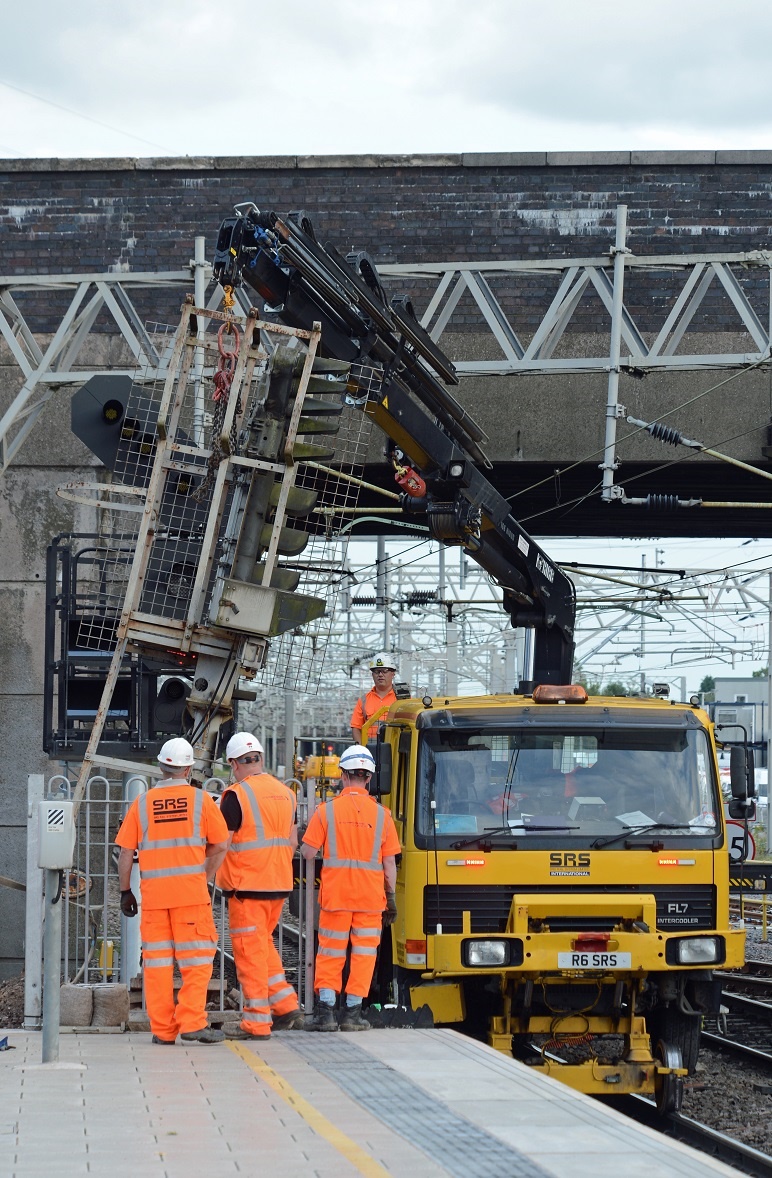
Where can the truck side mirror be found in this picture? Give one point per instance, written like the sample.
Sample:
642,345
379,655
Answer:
741,775
380,784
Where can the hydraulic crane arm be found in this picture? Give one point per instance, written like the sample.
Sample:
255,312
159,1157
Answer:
395,363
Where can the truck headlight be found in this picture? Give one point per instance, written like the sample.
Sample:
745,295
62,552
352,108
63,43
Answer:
698,950
486,952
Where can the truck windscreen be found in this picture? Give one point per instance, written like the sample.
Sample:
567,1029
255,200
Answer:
582,783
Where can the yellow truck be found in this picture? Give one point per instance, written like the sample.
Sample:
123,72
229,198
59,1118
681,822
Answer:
563,889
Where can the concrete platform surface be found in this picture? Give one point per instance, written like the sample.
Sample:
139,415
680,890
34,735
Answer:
423,1103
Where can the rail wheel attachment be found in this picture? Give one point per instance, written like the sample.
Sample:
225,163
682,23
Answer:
669,1091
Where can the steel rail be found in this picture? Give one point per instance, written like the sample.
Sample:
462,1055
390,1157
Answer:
744,1158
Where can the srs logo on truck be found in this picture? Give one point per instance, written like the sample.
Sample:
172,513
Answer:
569,863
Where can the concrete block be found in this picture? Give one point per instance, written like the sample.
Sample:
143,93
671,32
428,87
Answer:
672,158
257,163
111,1005
76,1004
504,159
587,159
751,158
31,514
22,613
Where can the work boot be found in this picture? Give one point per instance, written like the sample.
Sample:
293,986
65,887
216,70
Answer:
324,1018
293,1020
164,1042
236,1032
352,1019
205,1035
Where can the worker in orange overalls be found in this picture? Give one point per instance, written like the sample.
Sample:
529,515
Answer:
359,846
257,877
181,838
383,668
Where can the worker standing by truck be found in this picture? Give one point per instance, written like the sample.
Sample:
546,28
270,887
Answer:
257,877
359,846
383,667
181,838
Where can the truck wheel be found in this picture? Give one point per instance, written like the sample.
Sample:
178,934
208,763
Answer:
682,1030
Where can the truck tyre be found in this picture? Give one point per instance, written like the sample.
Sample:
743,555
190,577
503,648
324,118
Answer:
681,1030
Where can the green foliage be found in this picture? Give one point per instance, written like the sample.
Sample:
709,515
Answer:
708,684
761,673
615,688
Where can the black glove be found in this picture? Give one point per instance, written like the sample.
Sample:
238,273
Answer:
129,906
390,915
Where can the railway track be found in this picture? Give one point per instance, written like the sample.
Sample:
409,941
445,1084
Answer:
743,1158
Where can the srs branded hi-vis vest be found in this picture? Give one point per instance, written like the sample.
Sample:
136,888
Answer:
260,854
356,832
170,826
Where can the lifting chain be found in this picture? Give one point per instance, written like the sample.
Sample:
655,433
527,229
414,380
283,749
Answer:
222,381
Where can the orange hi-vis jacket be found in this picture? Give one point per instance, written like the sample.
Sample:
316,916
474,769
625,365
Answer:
170,826
260,855
368,705
355,833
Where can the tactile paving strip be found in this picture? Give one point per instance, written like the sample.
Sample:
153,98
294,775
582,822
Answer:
458,1145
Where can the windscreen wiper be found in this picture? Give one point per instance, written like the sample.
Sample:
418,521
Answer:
512,829
612,838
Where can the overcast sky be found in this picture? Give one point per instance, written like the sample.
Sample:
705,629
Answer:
191,77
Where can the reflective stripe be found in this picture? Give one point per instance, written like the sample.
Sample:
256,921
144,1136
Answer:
364,950
365,932
152,962
178,945
155,945
159,872
280,995
325,952
247,928
248,1016
277,977
258,845
333,934
374,863
188,962
255,1003
261,841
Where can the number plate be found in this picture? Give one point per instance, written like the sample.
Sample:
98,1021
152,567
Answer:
594,960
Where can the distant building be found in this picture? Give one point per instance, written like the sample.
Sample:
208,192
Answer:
742,701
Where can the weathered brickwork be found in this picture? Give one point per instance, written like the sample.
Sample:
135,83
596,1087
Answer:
143,215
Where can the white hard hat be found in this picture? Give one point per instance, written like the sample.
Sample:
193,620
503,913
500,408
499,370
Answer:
240,744
384,659
357,756
177,752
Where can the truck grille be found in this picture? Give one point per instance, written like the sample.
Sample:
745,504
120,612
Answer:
678,908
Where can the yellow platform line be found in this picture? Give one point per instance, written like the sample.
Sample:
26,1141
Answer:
358,1157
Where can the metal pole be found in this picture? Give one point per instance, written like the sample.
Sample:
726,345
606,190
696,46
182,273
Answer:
289,734
769,712
451,642
33,918
613,407
131,941
52,966
199,295
310,876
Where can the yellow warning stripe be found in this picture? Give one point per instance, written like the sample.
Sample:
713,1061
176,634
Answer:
361,1160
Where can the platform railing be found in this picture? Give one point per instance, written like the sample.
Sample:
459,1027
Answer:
100,945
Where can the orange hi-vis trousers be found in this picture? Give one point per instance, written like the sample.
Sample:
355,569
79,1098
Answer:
267,993
335,930
188,934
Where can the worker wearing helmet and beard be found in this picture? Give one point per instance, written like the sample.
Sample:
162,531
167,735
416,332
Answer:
257,877
359,846
383,668
181,839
